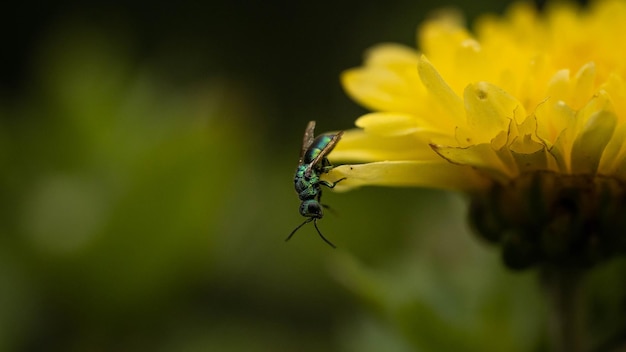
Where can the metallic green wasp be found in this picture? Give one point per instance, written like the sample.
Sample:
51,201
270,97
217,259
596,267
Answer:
313,163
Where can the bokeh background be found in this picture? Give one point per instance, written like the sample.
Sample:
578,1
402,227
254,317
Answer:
147,153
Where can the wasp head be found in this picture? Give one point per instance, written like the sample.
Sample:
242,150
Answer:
311,208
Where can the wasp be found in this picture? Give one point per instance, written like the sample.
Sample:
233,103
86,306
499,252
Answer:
313,163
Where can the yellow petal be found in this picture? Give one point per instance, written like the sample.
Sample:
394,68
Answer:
616,89
527,128
529,155
480,156
620,166
388,124
447,100
561,150
441,38
615,152
559,86
501,147
431,174
489,110
388,81
589,144
529,152
553,117
390,55
584,86
359,146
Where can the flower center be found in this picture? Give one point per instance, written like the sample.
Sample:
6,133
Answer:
549,218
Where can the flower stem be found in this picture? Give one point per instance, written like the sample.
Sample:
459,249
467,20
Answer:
564,293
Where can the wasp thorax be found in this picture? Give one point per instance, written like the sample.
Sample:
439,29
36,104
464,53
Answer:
549,218
311,208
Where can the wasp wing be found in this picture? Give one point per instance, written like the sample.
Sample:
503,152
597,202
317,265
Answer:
329,147
307,140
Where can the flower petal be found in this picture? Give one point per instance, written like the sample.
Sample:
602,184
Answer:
431,174
584,86
589,145
448,101
553,117
559,86
480,156
359,146
388,124
442,37
489,110
529,155
597,123
615,153
388,81
391,55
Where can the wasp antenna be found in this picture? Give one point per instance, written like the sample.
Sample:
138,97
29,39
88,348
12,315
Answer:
297,228
320,233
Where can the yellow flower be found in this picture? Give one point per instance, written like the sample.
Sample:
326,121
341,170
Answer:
528,102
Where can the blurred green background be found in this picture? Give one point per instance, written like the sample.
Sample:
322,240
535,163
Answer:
148,152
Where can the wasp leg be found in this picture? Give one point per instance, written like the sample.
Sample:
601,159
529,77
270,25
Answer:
333,184
329,185
326,166
326,206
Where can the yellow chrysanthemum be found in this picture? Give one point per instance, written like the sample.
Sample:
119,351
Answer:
529,102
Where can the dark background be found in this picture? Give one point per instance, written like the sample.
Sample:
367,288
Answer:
287,54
